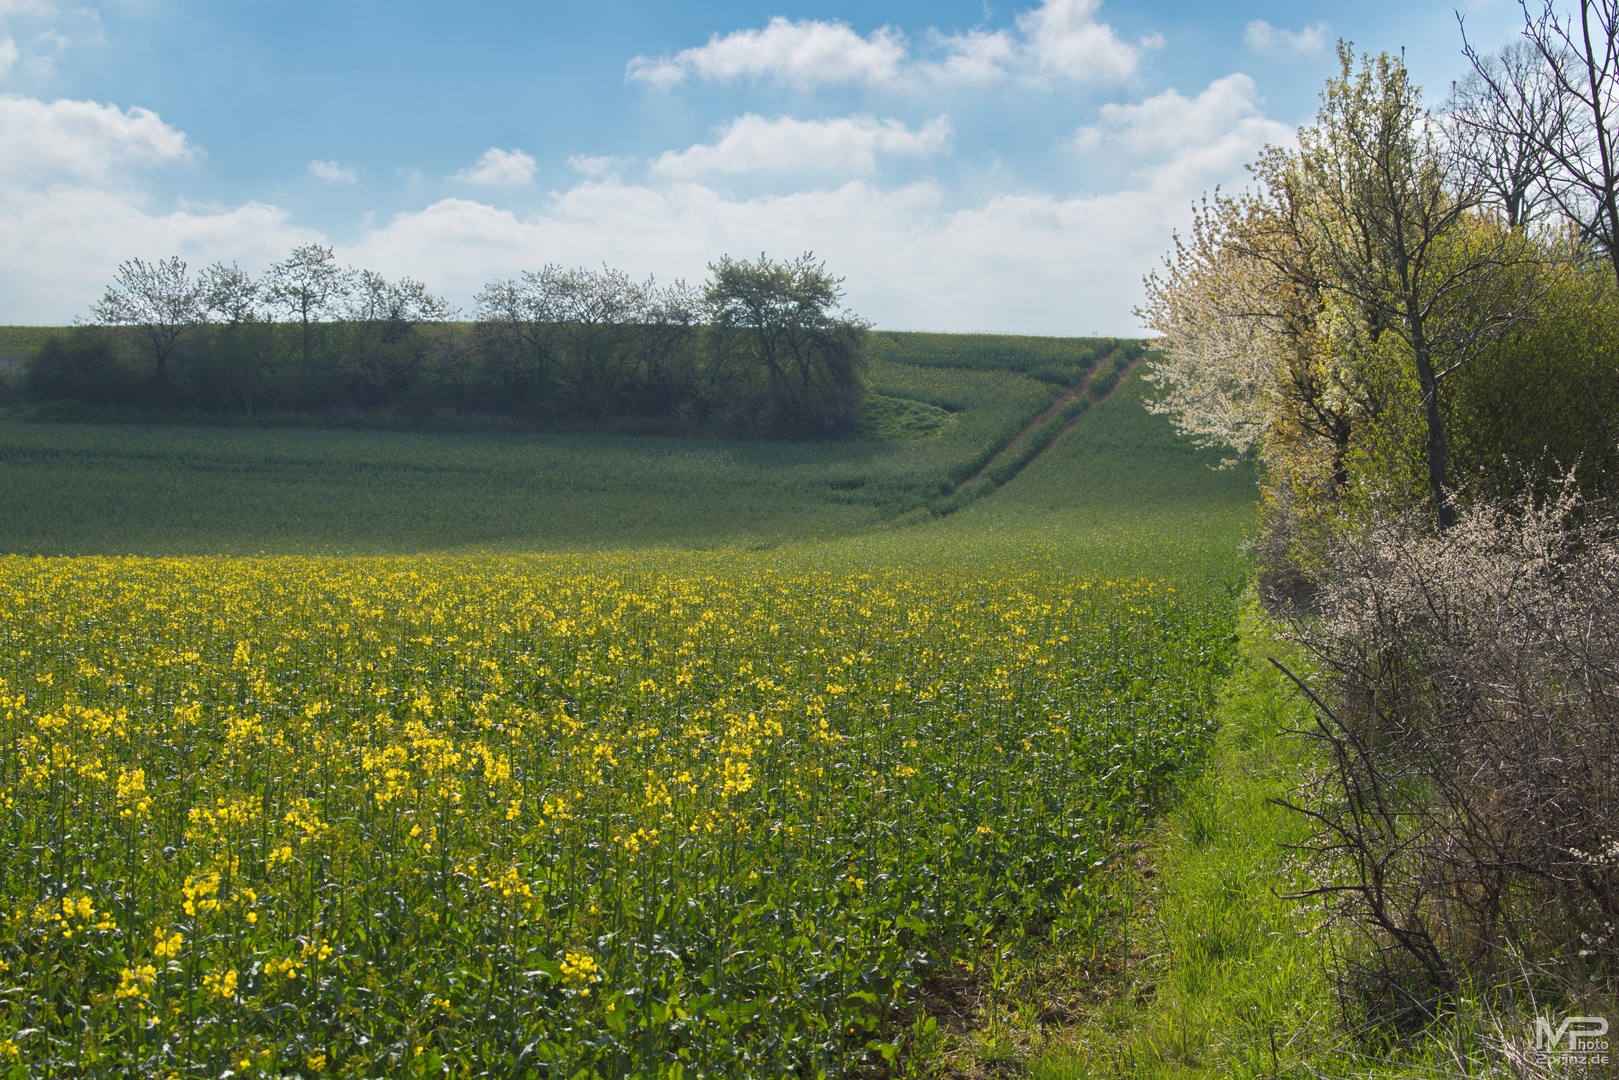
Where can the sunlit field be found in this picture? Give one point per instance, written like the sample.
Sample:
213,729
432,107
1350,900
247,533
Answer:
126,488
652,812
721,814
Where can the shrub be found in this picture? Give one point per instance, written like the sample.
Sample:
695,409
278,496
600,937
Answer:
82,367
1472,809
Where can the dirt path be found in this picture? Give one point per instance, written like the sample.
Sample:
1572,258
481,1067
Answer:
1129,370
1045,415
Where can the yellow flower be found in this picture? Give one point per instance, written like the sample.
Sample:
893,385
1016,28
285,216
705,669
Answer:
221,983
579,969
167,948
135,982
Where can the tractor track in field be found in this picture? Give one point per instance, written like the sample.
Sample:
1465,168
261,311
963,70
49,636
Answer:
1013,444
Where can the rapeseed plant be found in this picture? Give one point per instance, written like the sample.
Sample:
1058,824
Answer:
689,815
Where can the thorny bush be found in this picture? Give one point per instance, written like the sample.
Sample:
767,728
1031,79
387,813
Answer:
1471,809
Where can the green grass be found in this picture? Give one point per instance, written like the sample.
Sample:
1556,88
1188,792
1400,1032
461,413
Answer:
165,489
1050,359
889,419
27,337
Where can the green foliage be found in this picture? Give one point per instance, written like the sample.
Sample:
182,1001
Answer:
1546,398
80,366
778,321
887,418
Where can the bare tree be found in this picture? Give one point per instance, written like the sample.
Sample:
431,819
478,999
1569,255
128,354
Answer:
1502,118
1579,59
159,300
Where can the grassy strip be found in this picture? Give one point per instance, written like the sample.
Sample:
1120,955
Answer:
1224,978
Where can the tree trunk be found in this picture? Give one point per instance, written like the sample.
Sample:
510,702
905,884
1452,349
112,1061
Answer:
1436,450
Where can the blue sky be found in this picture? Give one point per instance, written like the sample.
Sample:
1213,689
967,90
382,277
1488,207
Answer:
964,166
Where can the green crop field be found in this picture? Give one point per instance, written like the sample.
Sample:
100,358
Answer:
618,756
162,490
1050,359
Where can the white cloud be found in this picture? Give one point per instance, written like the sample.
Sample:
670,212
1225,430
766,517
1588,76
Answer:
498,168
36,32
1030,262
596,166
82,141
802,53
1034,262
1063,36
333,173
62,244
841,146
977,56
1169,124
915,255
1262,37
71,206
1059,38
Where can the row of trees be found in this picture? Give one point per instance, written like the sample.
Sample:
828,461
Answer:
1413,321
1381,323
762,346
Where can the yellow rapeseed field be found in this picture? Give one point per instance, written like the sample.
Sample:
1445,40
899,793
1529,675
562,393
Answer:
651,814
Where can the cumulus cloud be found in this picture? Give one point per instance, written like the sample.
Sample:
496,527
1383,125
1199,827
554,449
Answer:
333,173
803,53
82,141
1262,37
1060,38
499,168
844,145
1063,36
1221,127
8,54
915,255
72,206
1030,261
63,243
